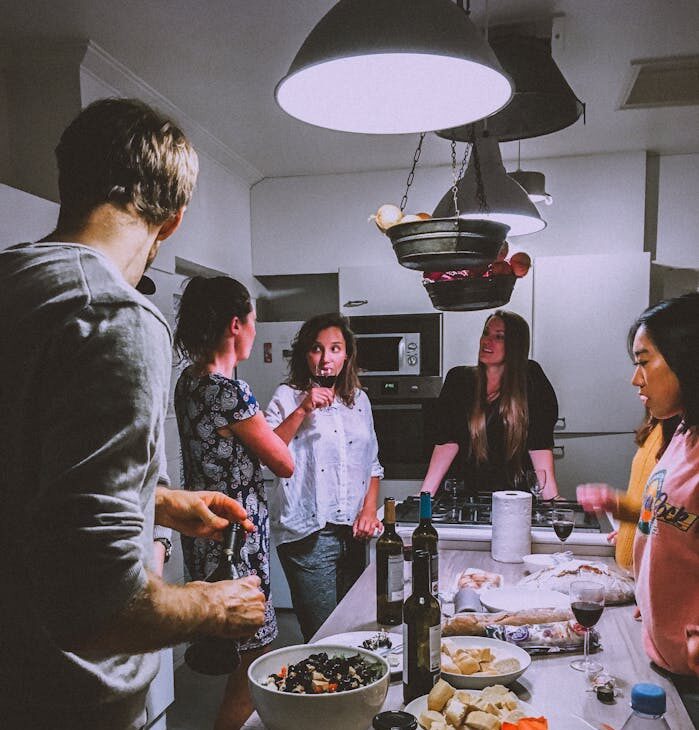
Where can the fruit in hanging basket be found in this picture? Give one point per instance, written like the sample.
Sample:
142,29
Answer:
386,216
415,217
520,263
500,268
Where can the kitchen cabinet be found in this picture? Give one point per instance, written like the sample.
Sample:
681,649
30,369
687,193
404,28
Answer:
384,289
581,458
583,307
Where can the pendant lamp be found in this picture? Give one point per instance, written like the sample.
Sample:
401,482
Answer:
502,199
392,67
533,182
542,103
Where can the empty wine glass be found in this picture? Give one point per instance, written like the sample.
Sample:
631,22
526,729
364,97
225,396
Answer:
587,604
534,480
451,486
563,521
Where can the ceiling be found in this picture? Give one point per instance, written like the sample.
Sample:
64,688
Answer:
219,61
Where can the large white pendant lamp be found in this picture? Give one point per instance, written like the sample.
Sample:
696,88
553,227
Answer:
501,199
394,66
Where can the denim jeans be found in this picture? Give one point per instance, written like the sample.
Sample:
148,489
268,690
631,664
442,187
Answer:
320,569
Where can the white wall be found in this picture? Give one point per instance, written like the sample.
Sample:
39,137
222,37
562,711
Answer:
315,224
678,212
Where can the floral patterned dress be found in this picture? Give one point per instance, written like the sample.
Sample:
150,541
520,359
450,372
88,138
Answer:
218,463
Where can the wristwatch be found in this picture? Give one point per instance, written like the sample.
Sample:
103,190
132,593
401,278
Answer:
167,545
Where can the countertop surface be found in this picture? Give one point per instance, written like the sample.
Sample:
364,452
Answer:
549,684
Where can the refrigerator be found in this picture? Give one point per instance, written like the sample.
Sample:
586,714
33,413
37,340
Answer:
263,371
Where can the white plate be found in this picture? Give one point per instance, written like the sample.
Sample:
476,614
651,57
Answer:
501,650
394,657
519,599
419,705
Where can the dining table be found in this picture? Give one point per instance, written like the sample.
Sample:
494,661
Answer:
550,685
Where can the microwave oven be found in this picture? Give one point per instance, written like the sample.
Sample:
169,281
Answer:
389,353
398,344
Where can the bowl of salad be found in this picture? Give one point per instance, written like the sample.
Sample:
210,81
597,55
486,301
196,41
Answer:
294,686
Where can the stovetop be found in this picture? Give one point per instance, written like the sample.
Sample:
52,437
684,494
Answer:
447,510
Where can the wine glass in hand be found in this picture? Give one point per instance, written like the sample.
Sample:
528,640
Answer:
563,521
587,604
325,376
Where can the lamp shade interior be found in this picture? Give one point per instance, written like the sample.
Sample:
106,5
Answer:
391,67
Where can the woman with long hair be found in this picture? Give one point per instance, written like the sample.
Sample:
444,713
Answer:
224,437
323,514
664,345
498,416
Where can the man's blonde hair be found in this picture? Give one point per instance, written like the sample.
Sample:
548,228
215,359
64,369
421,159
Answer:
121,151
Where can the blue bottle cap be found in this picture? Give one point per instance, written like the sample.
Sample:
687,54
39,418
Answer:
648,698
425,505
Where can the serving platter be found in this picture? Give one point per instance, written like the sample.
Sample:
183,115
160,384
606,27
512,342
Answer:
419,705
501,650
517,598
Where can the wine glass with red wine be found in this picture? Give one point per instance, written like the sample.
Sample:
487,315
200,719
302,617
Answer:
563,521
587,604
325,376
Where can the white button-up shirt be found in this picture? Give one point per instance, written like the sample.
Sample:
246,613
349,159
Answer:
335,455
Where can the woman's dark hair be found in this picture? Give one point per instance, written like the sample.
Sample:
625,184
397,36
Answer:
673,326
513,407
206,310
300,376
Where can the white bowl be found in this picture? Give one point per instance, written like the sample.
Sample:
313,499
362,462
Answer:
348,710
501,650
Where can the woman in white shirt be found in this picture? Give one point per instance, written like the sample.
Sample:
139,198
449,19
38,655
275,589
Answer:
322,514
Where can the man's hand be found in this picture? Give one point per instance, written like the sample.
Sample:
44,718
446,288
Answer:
236,607
198,514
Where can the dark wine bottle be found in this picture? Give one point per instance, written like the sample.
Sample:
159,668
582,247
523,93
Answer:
389,569
425,538
422,632
214,654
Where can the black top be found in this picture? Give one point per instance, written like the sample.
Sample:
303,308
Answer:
454,405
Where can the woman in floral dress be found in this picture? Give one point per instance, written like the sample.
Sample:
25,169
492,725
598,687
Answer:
224,436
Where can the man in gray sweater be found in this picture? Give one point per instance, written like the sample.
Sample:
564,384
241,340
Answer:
84,371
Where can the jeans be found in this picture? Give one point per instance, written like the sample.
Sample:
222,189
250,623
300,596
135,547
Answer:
320,569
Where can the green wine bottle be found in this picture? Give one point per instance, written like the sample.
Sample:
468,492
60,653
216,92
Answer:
425,538
389,569
214,654
422,632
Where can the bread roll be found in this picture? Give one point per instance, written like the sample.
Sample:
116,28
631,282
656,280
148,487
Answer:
448,665
479,720
430,718
439,695
455,712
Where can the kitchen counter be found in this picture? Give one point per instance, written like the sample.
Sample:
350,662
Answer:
549,684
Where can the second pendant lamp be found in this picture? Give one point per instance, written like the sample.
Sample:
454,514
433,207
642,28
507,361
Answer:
499,198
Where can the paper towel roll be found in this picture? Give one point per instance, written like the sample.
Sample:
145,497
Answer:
512,524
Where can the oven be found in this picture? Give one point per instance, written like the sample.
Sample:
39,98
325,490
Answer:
405,420
400,368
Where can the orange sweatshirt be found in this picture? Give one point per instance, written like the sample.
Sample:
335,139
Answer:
666,554
641,468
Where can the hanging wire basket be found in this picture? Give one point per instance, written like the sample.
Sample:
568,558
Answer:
468,295
445,244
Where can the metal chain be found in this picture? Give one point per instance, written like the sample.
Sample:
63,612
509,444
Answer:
480,190
411,174
455,178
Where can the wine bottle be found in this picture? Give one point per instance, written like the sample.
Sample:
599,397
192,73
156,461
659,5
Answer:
214,654
425,538
422,632
389,569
